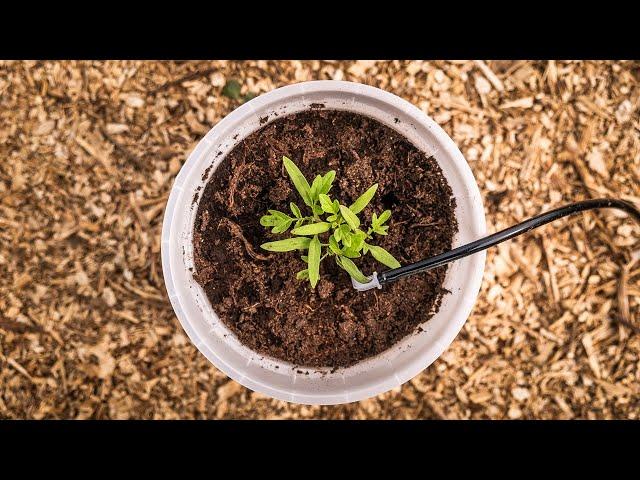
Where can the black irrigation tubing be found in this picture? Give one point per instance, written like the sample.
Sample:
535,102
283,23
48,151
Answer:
504,235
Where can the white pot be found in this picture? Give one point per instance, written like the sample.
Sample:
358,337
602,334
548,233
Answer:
280,379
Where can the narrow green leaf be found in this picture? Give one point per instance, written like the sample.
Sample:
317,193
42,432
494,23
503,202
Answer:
325,203
345,232
315,189
338,234
295,210
364,199
282,226
312,229
267,220
357,240
332,218
298,180
305,258
296,243
351,218
279,215
383,217
351,253
383,256
317,209
333,245
346,237
381,230
327,181
351,269
314,261
303,274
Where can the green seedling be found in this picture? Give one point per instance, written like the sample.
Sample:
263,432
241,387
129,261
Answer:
329,230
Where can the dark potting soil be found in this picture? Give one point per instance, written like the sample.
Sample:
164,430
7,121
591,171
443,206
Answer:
256,293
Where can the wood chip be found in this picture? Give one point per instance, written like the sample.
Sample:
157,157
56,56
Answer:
495,81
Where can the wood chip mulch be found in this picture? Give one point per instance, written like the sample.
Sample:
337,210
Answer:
90,150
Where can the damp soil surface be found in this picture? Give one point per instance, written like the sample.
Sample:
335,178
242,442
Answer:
256,293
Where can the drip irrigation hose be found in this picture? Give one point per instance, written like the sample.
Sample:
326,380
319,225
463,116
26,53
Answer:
504,235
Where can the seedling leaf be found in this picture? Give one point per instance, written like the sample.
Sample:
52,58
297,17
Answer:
325,203
298,180
345,231
351,269
279,215
333,245
364,199
351,218
267,220
282,226
315,189
327,181
383,218
357,240
351,253
295,210
314,261
384,257
295,243
346,235
312,229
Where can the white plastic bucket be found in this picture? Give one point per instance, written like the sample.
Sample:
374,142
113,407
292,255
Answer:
280,379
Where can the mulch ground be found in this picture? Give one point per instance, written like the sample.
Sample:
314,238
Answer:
90,151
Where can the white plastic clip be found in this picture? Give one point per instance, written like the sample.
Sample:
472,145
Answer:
372,283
